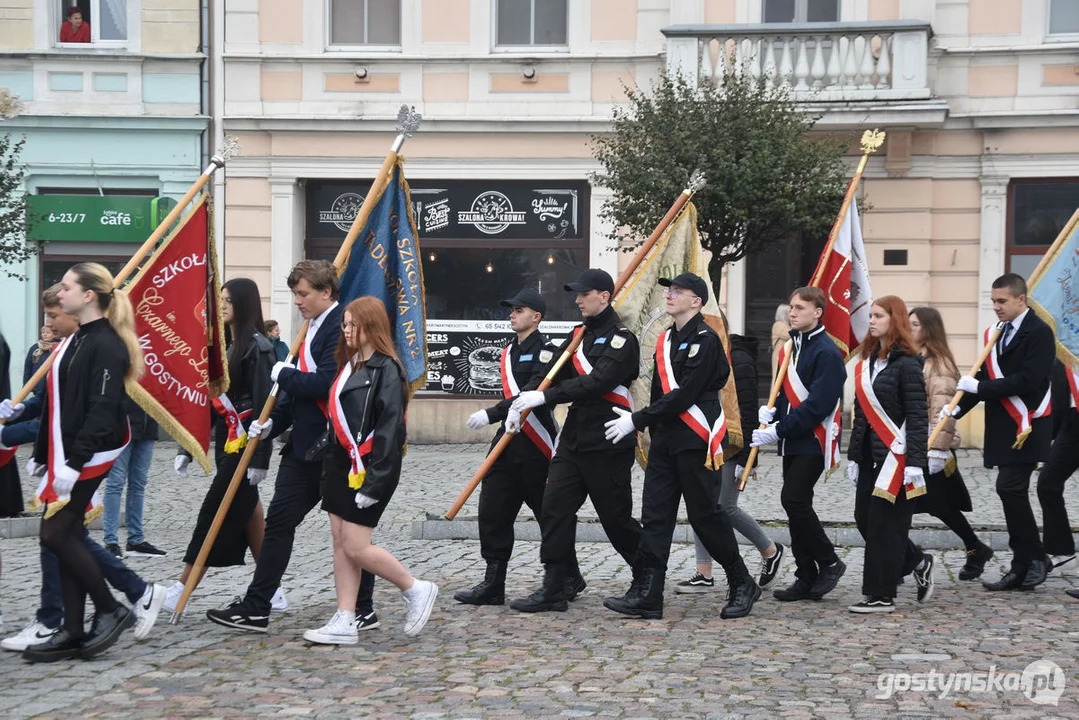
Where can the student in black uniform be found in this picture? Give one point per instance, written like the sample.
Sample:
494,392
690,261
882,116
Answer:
85,400
1062,464
688,427
585,465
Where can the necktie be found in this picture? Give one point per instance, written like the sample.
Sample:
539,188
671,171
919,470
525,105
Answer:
1006,335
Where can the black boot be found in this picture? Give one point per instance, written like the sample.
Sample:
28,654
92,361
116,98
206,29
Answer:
976,560
740,600
552,596
489,591
61,646
644,599
105,631
1037,572
575,584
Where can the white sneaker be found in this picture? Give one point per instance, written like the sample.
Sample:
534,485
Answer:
419,599
147,608
338,631
278,603
172,598
33,634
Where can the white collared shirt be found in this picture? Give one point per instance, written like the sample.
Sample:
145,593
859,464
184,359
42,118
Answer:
315,324
1015,323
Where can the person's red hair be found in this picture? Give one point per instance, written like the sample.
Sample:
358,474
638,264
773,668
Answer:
899,335
370,316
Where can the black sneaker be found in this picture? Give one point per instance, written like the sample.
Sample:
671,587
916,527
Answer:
800,590
873,604
924,578
976,559
770,569
696,584
827,579
365,622
144,549
115,550
238,615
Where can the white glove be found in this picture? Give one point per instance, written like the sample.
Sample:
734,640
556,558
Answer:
852,472
9,411
528,400
277,368
947,412
255,476
913,475
765,415
64,480
477,420
33,469
362,501
967,384
767,436
258,428
513,421
620,427
937,462
180,463
738,470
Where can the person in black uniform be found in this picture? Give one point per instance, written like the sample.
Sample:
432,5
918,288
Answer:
688,427
315,288
1063,462
520,473
1013,383
585,465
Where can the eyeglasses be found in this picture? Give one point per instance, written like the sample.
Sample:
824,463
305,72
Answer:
672,292
346,325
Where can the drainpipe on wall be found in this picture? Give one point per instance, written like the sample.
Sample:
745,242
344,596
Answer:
204,81
217,118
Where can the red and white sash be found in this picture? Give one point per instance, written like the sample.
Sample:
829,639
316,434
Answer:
827,433
694,417
891,477
1073,386
1021,414
306,363
98,464
357,451
237,437
532,427
619,396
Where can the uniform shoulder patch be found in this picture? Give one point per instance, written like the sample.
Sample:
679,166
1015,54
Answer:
694,349
545,356
702,331
618,341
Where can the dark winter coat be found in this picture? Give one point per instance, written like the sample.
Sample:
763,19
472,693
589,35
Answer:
900,388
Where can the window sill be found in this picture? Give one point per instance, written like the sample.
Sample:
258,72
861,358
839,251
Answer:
89,52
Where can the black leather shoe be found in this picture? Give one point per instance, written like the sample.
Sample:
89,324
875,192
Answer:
1011,581
643,601
575,585
489,591
741,600
1037,572
61,646
827,579
1073,592
105,631
552,596
976,560
798,591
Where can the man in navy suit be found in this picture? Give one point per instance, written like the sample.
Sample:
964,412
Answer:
306,386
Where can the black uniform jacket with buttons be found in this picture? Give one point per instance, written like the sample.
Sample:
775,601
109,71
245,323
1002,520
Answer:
701,369
526,363
614,354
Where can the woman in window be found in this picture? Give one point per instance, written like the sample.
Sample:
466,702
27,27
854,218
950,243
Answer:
362,468
74,30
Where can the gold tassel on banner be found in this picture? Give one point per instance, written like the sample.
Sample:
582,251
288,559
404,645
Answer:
950,466
1021,438
234,446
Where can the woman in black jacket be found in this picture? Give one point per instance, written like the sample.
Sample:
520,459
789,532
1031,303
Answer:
887,455
362,468
84,428
250,357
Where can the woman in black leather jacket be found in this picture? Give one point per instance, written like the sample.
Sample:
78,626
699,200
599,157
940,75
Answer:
361,470
887,455
250,356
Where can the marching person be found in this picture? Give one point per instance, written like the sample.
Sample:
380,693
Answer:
886,456
363,467
519,475
315,288
250,358
84,431
946,496
688,426
1014,385
585,465
1063,461
805,423
132,471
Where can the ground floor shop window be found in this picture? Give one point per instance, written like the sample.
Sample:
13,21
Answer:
1038,210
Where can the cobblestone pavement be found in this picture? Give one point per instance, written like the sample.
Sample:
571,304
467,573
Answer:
801,660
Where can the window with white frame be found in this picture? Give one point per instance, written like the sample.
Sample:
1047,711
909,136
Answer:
365,22
530,22
1063,17
81,22
800,11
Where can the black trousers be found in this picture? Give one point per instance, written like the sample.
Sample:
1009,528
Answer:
1013,489
936,503
511,482
811,548
297,491
574,476
669,478
1063,461
885,526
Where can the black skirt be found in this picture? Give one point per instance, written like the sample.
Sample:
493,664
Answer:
11,504
944,492
230,546
339,499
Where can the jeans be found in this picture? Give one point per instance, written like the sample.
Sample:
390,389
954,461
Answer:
131,469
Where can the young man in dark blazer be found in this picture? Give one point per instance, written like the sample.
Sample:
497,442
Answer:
1063,462
1014,385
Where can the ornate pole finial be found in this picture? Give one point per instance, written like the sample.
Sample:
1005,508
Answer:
9,104
696,182
229,149
408,120
872,140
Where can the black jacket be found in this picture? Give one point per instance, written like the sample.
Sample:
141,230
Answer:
526,363
1027,364
820,365
614,354
375,398
304,390
900,388
1064,415
700,367
744,366
143,427
93,417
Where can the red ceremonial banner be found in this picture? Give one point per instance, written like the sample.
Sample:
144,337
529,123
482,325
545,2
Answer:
178,323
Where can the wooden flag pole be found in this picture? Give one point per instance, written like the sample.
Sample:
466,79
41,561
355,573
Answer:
408,122
772,395
993,337
696,182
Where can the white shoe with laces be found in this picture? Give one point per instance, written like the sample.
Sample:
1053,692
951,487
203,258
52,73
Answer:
419,599
172,597
340,630
33,634
278,603
147,608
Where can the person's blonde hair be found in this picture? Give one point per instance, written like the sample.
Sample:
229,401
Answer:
117,308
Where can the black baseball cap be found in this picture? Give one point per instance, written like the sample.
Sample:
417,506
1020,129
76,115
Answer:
527,298
690,282
592,279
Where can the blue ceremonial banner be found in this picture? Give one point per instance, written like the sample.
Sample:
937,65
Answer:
385,263
1053,291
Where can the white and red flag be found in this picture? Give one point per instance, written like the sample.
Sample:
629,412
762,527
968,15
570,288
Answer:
843,274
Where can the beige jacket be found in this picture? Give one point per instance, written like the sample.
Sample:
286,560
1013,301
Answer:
940,388
781,333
